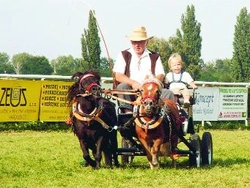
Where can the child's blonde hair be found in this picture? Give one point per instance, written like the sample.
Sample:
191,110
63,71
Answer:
175,55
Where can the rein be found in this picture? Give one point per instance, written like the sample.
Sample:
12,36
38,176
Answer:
112,93
139,119
93,116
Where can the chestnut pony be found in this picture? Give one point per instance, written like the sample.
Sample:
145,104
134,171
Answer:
93,118
156,122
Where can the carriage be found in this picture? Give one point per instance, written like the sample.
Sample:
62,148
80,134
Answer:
198,149
151,130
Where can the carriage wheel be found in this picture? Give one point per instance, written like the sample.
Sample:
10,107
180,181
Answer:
195,158
206,148
126,159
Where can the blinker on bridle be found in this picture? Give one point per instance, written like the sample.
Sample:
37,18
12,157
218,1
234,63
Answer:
90,86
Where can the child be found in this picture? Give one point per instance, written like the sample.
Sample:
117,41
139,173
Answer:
178,79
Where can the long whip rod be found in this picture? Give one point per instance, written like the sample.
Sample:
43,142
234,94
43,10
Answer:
104,41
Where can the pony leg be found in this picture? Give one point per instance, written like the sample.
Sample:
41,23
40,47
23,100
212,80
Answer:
148,151
114,146
98,154
173,164
86,155
155,152
107,152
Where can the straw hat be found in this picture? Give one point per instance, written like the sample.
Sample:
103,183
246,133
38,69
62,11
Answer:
139,34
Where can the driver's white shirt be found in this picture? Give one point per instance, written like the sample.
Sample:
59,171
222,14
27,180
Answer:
139,67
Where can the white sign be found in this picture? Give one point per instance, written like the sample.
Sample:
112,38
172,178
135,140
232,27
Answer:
233,103
206,104
220,103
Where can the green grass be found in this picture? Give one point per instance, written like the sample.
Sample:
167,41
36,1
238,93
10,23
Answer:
53,159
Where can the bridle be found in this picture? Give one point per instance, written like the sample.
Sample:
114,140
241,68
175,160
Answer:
150,97
92,90
151,110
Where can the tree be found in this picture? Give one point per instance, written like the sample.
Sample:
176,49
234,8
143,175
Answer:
82,65
218,71
5,66
65,65
90,40
161,46
241,46
223,70
105,69
207,73
188,42
36,65
18,60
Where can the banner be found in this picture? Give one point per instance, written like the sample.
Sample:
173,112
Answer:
233,103
53,106
206,104
19,100
220,103
45,100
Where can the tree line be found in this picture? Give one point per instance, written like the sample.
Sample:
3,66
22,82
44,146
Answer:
187,42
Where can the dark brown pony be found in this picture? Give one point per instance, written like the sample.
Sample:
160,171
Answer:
156,122
93,119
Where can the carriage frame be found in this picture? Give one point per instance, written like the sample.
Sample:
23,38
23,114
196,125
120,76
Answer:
199,149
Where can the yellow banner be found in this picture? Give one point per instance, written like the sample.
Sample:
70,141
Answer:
19,100
53,106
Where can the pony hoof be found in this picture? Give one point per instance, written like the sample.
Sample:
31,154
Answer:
84,163
154,166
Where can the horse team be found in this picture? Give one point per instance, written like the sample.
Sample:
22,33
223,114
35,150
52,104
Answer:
94,121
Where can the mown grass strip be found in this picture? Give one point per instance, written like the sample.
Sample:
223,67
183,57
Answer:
52,159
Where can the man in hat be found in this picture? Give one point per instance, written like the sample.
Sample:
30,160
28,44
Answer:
137,63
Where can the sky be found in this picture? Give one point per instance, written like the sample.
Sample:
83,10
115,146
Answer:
53,28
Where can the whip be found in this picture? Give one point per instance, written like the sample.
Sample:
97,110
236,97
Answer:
104,41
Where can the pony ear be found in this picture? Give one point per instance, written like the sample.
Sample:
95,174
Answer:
76,76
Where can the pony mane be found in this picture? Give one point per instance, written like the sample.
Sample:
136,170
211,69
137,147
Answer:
153,80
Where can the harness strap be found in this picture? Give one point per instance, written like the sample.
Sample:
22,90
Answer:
141,122
94,115
88,119
101,122
90,86
91,115
86,76
84,95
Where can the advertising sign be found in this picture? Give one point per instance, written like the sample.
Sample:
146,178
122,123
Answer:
19,100
220,103
27,100
233,103
53,106
206,104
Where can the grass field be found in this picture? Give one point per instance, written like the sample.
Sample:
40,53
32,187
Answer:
53,159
